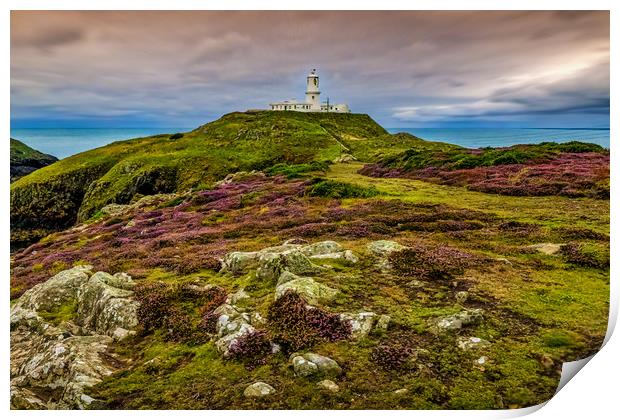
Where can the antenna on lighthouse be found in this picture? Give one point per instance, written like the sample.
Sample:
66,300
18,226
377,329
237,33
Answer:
328,104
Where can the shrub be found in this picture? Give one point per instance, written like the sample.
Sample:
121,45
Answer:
394,355
335,189
296,325
178,325
154,300
252,348
574,253
176,136
295,171
581,233
432,263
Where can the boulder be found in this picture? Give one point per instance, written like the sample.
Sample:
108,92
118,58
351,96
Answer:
59,290
314,292
238,262
328,385
304,367
239,297
471,343
326,366
105,309
321,248
52,367
346,256
361,323
224,344
258,390
546,248
457,321
384,248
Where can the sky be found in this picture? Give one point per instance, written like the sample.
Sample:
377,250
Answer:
404,69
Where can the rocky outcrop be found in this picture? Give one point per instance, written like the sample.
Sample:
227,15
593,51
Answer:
457,321
306,364
52,363
312,291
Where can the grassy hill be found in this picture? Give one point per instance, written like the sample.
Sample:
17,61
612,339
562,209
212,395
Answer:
75,188
25,159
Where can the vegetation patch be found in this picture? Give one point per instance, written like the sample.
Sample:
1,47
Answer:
333,189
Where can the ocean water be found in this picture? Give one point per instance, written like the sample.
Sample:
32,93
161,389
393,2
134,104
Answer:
63,142
496,137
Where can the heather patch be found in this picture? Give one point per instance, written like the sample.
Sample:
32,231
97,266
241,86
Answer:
571,174
296,325
253,348
434,262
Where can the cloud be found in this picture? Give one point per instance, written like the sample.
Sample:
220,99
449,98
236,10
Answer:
400,67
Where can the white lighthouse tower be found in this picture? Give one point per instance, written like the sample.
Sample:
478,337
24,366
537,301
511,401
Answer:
312,103
313,94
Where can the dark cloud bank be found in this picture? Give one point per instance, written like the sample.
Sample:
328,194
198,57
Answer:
546,69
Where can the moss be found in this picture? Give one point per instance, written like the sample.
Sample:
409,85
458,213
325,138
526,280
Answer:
65,312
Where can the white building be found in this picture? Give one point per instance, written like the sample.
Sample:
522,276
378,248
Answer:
313,100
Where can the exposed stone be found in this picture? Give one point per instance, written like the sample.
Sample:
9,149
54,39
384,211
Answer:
314,292
457,321
384,248
115,209
382,323
401,391
471,343
361,323
238,297
326,366
105,309
258,390
347,256
344,158
304,367
224,344
328,385
546,248
321,248
237,262
462,296
59,290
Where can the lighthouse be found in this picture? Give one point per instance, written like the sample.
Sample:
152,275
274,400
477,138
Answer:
312,102
313,94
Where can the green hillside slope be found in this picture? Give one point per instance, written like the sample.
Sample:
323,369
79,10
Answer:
75,188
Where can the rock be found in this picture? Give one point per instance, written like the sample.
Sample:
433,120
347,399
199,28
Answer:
115,209
401,391
295,241
321,248
123,281
345,158
224,343
51,367
361,323
384,248
461,297
347,256
457,321
328,385
382,323
304,367
238,262
238,297
546,248
104,309
59,290
313,292
482,360
326,366
471,343
258,390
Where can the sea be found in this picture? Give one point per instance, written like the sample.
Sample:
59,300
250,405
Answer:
63,142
